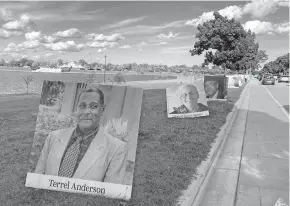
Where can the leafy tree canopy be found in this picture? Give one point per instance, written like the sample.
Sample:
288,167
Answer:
279,65
235,48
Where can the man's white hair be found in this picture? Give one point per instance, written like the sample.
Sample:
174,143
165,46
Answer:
182,87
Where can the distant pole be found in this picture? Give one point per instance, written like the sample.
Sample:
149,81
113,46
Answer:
91,60
105,68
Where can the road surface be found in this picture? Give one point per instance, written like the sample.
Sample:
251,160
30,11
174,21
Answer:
280,92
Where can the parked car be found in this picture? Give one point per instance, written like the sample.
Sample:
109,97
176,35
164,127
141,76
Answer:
268,79
284,78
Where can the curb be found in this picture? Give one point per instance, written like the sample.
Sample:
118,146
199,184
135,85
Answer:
193,194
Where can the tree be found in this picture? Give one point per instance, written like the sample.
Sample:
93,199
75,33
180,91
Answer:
235,49
35,66
2,62
28,80
279,65
82,62
119,78
60,62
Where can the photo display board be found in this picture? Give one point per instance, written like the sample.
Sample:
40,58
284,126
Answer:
86,139
186,101
216,87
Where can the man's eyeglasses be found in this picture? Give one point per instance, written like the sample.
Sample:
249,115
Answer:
191,94
92,106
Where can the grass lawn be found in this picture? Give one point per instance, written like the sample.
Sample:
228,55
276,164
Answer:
168,153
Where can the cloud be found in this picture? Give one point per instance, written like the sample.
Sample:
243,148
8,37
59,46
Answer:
262,27
36,57
41,37
262,8
162,43
255,8
61,52
5,14
12,47
102,50
175,50
284,27
70,33
24,23
49,54
169,36
125,22
105,44
101,37
259,27
229,12
7,34
149,29
125,47
142,44
70,46
18,56
30,44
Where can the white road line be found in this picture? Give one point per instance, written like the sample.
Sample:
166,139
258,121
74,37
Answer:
275,100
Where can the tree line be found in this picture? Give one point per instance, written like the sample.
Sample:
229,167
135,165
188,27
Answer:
279,66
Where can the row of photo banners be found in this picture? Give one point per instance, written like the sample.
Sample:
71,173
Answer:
86,135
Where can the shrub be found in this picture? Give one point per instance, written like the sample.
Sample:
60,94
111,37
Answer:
47,121
119,78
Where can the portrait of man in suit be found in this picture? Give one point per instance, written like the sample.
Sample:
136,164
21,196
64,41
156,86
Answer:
215,87
211,89
85,151
189,96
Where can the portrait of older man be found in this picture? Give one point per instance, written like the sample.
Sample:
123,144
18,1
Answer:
211,89
84,152
189,97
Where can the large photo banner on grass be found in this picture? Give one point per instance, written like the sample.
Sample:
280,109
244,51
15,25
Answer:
86,139
186,100
216,87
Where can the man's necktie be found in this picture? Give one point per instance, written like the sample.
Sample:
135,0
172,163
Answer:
70,159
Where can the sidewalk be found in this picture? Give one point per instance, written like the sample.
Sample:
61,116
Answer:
253,168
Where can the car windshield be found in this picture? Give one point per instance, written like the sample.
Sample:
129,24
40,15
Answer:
268,76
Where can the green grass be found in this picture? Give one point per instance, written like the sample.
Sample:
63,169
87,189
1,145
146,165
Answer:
168,153
13,82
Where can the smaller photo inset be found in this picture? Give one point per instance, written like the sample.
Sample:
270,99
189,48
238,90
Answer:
186,101
216,87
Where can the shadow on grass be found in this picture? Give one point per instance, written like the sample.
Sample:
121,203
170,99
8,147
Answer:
169,151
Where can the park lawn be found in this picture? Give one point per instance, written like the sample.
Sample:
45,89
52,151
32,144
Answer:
168,153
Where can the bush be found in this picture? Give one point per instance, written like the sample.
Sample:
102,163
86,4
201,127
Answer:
119,78
47,121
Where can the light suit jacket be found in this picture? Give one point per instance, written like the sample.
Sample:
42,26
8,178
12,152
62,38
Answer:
104,160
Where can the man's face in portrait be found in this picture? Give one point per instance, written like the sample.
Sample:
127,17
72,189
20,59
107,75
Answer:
189,96
89,111
211,88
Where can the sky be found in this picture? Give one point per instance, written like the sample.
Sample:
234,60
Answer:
127,32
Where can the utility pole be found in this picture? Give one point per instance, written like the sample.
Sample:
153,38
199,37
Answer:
105,68
91,60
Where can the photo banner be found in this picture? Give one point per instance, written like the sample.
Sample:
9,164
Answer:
85,139
216,87
186,101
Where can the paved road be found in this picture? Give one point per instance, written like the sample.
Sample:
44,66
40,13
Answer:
280,92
